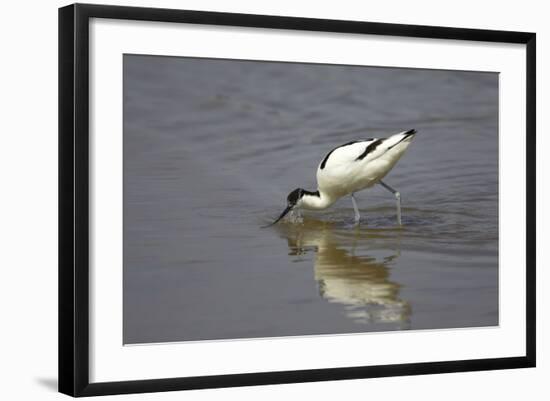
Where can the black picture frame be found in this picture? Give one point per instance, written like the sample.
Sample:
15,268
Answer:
74,197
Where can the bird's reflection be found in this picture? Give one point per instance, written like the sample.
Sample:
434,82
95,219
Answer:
360,283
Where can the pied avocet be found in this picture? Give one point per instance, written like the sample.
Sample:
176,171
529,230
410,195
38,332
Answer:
350,168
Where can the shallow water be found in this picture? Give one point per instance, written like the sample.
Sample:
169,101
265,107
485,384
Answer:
212,148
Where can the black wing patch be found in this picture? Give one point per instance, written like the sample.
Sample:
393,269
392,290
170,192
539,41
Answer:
370,148
324,162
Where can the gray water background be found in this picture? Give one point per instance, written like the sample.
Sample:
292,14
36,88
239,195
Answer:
211,150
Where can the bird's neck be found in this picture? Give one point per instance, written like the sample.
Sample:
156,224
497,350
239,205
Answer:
316,200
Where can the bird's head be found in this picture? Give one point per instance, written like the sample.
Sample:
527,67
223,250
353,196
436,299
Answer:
293,200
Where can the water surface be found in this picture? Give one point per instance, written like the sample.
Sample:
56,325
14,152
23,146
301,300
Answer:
212,148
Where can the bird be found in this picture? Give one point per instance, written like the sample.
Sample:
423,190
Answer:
350,168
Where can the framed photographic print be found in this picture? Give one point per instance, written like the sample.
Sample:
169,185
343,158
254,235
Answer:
251,199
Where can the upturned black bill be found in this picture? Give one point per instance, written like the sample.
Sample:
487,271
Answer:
285,212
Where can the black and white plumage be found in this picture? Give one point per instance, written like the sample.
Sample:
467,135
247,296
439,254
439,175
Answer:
351,168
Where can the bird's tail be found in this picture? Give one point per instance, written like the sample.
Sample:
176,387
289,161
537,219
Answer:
393,147
399,138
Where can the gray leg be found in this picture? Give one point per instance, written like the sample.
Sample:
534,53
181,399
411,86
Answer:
397,197
356,209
